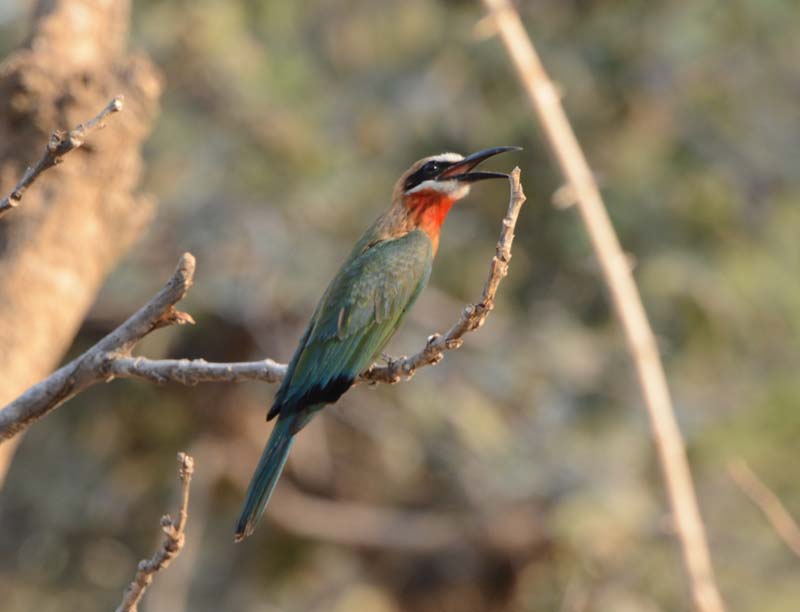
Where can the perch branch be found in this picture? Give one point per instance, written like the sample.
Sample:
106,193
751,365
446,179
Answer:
57,147
770,504
545,100
170,548
111,357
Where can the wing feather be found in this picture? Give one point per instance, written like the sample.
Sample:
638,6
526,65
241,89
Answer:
358,314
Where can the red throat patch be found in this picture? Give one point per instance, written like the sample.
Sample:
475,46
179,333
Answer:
428,209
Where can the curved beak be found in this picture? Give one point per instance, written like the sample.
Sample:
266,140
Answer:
462,170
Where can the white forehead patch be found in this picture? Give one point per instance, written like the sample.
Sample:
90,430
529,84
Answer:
446,157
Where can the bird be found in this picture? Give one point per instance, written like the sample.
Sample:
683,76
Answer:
362,307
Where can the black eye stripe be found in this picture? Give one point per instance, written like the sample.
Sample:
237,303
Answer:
428,171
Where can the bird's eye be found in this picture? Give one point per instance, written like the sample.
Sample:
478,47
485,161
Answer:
429,170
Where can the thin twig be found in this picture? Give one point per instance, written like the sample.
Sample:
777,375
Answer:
770,504
57,147
171,547
545,99
111,357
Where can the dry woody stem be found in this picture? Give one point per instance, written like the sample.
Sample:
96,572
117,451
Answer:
770,504
582,189
174,531
112,356
58,146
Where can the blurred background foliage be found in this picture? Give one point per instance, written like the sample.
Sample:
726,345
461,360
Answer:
284,125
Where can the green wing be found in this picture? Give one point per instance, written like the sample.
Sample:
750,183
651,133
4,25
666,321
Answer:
360,311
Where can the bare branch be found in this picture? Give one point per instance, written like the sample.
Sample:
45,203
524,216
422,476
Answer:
546,102
58,146
194,371
171,547
94,365
770,504
111,357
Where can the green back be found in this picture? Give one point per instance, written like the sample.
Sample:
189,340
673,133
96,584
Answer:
358,314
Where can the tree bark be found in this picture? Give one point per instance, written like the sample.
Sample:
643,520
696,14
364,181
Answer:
79,218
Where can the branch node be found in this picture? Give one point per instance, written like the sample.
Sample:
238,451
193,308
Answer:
55,141
451,344
432,339
117,103
172,316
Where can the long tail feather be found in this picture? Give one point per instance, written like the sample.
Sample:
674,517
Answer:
265,477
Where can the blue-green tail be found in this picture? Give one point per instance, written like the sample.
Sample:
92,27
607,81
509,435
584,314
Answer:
265,477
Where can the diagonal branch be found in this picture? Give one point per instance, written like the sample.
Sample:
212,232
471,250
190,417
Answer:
170,548
58,146
111,357
546,103
93,366
770,504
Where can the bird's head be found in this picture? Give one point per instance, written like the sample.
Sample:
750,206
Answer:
430,187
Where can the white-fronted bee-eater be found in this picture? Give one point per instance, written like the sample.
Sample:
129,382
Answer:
363,306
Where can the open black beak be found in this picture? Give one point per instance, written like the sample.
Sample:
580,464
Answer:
461,170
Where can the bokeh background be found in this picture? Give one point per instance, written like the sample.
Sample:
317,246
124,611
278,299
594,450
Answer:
519,473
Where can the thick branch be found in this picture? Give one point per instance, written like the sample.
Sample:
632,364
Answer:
171,547
58,146
546,103
94,365
111,357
